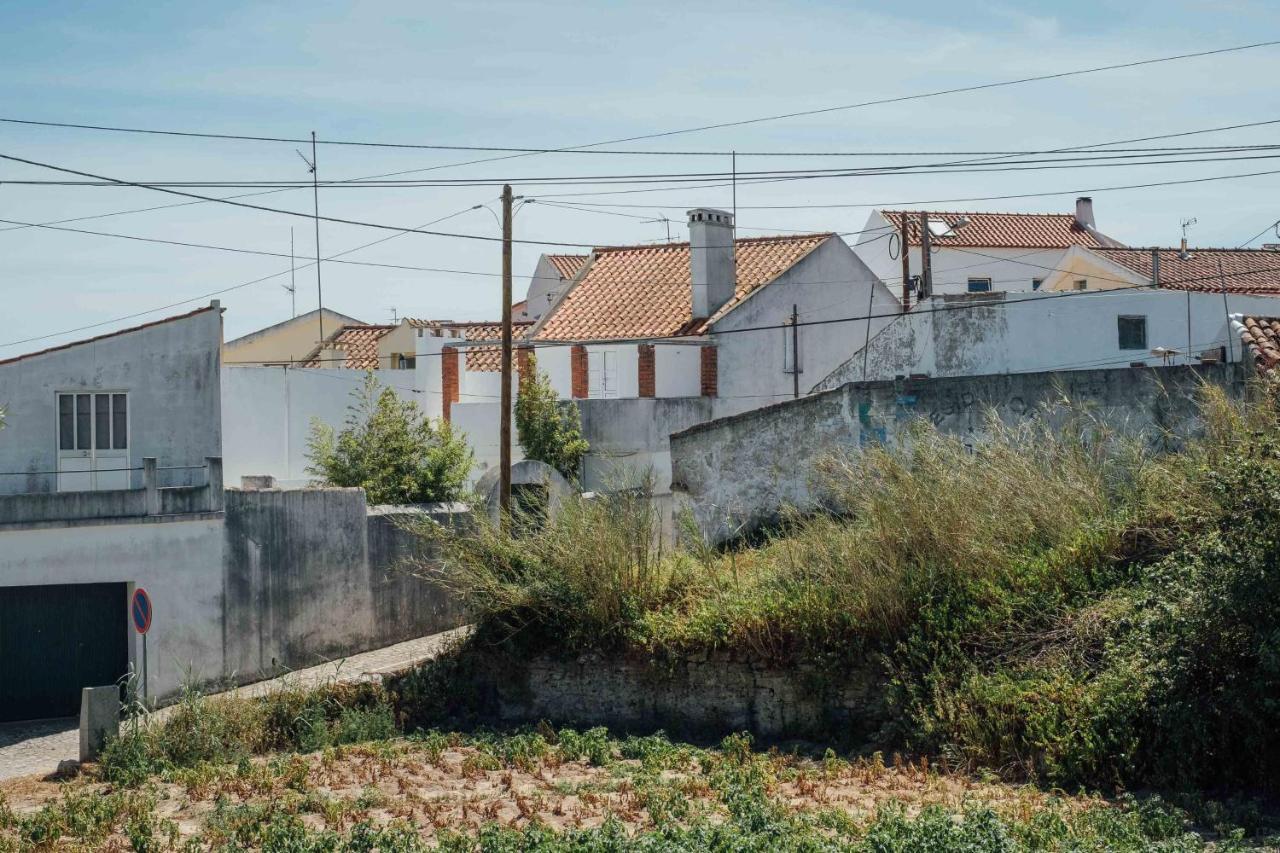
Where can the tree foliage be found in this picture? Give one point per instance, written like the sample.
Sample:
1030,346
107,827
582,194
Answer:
549,431
391,449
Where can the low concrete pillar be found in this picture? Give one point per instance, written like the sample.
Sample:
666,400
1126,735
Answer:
151,482
99,719
256,482
217,496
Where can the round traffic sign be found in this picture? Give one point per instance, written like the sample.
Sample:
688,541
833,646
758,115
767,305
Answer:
141,611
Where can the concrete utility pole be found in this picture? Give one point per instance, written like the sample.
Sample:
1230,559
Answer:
795,351
926,262
504,433
906,263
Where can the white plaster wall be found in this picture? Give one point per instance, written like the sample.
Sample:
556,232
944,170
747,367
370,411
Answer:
677,371
1043,332
544,285
179,563
267,414
170,371
427,376
479,423
555,362
1009,269
831,282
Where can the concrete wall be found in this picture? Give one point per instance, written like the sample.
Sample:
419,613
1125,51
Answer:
170,372
830,282
737,473
312,576
968,336
267,414
178,561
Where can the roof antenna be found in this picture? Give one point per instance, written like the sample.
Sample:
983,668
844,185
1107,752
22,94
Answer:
1186,226
395,320
292,286
663,219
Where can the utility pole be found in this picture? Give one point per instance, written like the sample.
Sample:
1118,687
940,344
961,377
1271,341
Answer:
926,262
795,352
906,264
734,166
504,433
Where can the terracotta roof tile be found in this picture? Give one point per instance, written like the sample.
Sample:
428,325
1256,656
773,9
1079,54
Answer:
1262,336
568,265
645,291
1243,270
488,359
1003,230
359,345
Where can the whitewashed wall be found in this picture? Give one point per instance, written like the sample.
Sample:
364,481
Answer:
677,370
1038,332
267,414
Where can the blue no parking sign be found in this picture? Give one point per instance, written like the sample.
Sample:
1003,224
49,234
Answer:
141,611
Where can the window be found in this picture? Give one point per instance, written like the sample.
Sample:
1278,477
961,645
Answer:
93,422
1132,332
1036,282
1081,284
979,285
405,361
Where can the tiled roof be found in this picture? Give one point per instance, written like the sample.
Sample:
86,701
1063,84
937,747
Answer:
488,359
645,291
1002,230
1243,270
215,306
1262,336
418,323
567,265
358,343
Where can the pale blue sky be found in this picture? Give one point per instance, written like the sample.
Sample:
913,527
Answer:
556,74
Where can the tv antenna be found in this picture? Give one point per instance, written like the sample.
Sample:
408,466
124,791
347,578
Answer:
292,286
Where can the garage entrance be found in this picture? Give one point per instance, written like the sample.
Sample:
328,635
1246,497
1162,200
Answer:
54,640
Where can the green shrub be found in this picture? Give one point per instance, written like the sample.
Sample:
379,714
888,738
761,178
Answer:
391,450
549,430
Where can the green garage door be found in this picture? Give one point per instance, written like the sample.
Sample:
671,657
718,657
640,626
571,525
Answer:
55,640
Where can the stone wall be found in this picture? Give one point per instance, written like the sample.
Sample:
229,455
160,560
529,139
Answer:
737,473
714,695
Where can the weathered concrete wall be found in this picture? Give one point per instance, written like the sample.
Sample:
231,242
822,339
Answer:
311,576
710,695
737,473
404,605
178,560
168,369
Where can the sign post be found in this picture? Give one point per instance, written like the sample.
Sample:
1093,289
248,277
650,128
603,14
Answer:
140,610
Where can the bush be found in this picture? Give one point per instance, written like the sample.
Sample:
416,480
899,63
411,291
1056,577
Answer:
549,430
391,450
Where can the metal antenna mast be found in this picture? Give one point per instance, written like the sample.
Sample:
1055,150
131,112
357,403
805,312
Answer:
292,286
315,193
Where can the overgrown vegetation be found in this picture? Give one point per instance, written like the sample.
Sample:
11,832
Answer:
1059,603
549,430
391,449
549,789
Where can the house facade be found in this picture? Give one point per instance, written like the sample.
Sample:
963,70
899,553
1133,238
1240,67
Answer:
976,252
289,342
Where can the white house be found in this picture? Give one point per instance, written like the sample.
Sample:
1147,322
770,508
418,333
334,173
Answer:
655,338
551,276
976,252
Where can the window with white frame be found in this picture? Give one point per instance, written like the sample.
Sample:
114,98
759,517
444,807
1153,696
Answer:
93,421
979,285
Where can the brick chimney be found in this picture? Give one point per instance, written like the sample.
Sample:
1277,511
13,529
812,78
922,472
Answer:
1084,212
712,267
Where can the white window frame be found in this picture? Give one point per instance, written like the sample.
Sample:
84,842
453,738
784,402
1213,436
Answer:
91,467
602,374
987,281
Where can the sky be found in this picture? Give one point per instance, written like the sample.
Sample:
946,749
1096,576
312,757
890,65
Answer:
556,74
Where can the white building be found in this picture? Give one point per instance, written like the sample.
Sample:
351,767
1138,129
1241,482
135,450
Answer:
655,338
977,252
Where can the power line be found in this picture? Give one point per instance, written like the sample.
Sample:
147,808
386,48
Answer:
744,177
687,130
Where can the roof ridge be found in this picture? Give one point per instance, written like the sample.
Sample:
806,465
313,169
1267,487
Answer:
973,212
684,244
1190,249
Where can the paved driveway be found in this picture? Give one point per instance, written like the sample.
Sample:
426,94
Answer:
37,747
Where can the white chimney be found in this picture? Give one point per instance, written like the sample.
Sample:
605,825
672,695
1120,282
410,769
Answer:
712,267
1084,212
